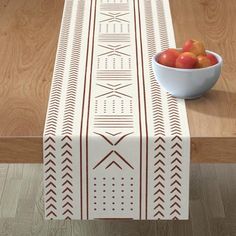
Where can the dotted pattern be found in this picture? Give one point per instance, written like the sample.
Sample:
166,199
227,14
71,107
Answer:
113,194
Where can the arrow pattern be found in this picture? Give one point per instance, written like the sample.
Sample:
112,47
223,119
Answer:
158,117
164,149
159,127
67,179
176,158
50,177
111,132
164,40
176,177
68,120
55,95
73,74
58,150
159,180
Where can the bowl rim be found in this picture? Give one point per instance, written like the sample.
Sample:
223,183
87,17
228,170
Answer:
219,59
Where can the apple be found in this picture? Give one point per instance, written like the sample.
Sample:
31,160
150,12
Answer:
186,60
194,46
203,61
168,57
212,58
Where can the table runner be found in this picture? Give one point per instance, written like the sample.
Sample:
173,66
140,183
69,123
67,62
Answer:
115,144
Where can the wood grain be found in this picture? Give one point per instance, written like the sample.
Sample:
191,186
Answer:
210,21
28,38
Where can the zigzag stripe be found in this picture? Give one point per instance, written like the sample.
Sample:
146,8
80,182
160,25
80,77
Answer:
176,154
50,176
162,25
52,117
176,176
73,74
159,172
174,116
159,129
67,184
55,96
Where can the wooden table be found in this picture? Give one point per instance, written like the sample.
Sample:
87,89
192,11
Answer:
28,38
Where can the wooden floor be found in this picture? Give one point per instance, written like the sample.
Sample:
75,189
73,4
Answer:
212,207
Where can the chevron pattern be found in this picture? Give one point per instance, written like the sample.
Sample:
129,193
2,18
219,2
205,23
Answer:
176,176
159,172
176,155
164,149
73,74
174,116
155,87
116,145
159,128
67,169
55,95
50,177
164,41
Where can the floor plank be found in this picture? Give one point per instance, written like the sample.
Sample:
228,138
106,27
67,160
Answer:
28,37
200,221
212,207
10,198
6,227
3,175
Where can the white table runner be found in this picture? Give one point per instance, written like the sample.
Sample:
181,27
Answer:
115,144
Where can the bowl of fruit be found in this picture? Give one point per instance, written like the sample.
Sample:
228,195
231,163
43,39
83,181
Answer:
187,72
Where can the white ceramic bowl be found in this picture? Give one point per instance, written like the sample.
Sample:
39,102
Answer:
187,83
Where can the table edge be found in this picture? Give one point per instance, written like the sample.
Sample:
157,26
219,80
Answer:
30,149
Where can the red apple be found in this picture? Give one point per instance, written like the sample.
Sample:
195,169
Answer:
168,57
202,62
194,46
212,58
186,60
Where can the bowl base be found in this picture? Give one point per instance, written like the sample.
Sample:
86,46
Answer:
188,97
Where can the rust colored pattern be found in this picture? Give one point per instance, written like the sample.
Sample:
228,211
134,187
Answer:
116,145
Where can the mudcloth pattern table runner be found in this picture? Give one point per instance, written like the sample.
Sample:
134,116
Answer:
115,144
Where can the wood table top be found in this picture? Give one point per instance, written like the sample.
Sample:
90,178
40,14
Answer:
29,32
